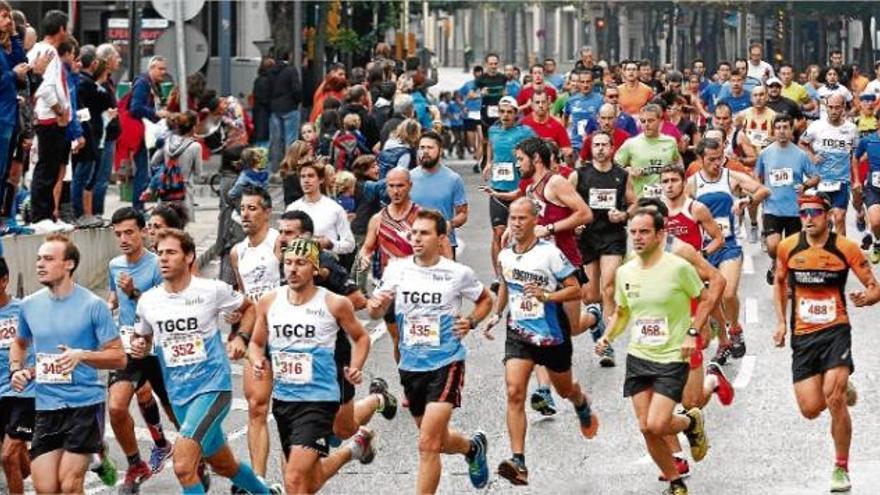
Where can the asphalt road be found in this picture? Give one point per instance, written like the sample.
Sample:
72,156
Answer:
760,444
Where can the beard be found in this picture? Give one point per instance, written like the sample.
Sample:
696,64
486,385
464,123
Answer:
428,162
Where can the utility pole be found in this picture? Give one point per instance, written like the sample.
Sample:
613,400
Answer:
181,57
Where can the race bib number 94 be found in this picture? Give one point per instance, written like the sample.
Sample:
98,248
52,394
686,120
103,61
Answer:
49,371
652,331
422,331
292,367
184,349
603,199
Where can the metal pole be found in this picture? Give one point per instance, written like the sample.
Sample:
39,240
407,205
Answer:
297,33
225,47
405,23
181,57
426,27
134,32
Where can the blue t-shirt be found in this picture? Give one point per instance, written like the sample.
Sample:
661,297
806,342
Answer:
512,88
557,80
580,108
870,144
81,320
146,275
710,94
624,122
736,103
505,173
442,190
454,114
9,318
781,169
471,104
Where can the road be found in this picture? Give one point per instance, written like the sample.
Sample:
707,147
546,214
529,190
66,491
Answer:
758,445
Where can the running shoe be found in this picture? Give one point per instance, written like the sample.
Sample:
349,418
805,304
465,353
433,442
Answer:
589,421
276,489
607,359
867,241
159,455
874,255
478,465
852,395
722,354
737,343
494,286
771,273
389,402
840,480
364,438
676,490
204,475
106,469
860,222
597,330
724,391
542,401
684,469
753,233
697,435
135,475
514,471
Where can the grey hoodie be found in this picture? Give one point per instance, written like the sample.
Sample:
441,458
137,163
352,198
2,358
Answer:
188,153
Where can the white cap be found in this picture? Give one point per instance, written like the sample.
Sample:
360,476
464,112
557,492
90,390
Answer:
510,101
773,80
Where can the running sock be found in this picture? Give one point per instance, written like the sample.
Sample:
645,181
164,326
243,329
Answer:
521,458
677,483
194,489
842,463
357,450
472,451
246,479
134,459
150,413
678,455
381,406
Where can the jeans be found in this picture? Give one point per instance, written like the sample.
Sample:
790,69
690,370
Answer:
141,179
82,174
6,134
101,178
283,131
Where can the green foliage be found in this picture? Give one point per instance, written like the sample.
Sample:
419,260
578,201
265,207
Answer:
347,41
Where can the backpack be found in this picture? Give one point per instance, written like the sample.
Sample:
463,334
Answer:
389,158
345,150
172,183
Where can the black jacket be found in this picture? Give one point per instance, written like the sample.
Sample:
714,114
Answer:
262,104
286,88
94,97
368,125
389,126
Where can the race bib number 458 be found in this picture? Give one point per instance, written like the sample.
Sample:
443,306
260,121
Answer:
183,349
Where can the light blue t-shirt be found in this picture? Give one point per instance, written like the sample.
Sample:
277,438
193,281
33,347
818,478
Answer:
9,318
146,275
442,190
580,108
870,146
781,169
557,80
81,320
736,103
512,88
505,174
470,104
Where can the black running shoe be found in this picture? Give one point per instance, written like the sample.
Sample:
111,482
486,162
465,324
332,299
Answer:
737,345
389,407
514,471
771,273
867,241
722,354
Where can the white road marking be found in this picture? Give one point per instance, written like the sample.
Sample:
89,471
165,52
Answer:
748,264
746,370
142,434
751,310
377,332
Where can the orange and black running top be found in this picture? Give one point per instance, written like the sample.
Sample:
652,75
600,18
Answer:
817,280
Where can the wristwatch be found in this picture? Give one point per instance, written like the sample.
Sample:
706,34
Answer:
692,332
471,322
551,228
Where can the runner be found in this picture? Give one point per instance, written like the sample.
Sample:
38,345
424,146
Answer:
757,123
544,125
298,325
131,274
811,273
184,311
70,397
643,156
719,189
736,144
537,279
654,290
581,107
490,86
608,190
427,292
501,171
786,170
869,150
16,407
255,266
829,142
608,122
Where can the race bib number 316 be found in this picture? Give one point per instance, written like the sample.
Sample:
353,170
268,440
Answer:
292,367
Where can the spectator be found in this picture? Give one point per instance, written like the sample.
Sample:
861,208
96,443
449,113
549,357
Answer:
261,112
180,160
287,96
297,153
403,109
334,85
348,144
400,149
253,172
383,108
332,229
98,185
356,103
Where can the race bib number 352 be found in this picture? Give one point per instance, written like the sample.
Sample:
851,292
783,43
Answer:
49,371
184,349
292,367
422,331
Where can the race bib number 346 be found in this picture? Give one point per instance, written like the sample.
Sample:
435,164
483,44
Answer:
292,367
184,349
49,371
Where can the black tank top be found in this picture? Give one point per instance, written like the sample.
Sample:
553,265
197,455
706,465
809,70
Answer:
602,191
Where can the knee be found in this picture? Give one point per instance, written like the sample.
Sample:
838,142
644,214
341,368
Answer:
72,483
655,427
430,444
835,401
516,394
9,456
812,411
295,481
258,407
345,429
118,413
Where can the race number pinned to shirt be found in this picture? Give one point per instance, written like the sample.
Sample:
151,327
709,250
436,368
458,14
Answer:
8,331
603,199
524,307
49,371
256,291
582,127
502,171
183,349
724,226
818,311
652,331
473,115
781,177
126,333
293,367
829,186
422,331
652,191
492,111
875,179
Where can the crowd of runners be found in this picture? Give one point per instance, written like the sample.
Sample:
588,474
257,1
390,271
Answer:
620,199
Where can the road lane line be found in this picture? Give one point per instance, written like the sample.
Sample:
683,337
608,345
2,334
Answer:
748,264
746,370
378,332
751,310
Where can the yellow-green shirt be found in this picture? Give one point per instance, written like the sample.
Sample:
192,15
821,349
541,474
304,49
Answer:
796,93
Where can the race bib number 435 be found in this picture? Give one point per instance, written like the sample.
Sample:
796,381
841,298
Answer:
49,371
292,367
422,331
183,349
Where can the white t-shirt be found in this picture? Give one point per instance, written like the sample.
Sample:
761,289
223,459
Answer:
761,72
825,92
330,221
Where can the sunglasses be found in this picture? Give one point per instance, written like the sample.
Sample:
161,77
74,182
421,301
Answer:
612,97
811,212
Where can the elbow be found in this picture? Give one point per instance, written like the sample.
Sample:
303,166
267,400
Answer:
120,359
584,217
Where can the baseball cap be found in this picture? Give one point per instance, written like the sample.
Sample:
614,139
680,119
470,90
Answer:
508,100
774,80
867,97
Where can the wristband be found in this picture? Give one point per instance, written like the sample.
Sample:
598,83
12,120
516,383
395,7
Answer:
246,337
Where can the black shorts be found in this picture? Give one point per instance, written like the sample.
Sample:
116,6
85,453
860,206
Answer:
141,371
556,358
305,424
471,124
499,210
871,196
17,417
667,379
440,385
78,430
818,352
594,246
784,226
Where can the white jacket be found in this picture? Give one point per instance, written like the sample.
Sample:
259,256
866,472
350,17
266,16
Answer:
53,90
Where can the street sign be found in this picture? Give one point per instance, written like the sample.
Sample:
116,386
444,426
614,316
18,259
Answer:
190,8
196,45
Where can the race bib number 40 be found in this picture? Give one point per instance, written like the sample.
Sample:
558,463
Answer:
652,331
8,331
292,367
184,349
502,171
422,331
781,177
818,311
49,371
603,199
525,308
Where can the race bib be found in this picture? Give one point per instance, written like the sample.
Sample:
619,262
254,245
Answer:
582,127
524,307
760,138
829,186
125,334
724,226
83,115
875,179
652,191
473,115
292,367
49,371
492,111
781,177
603,199
8,331
183,349
817,310
652,331
502,171
255,292
422,331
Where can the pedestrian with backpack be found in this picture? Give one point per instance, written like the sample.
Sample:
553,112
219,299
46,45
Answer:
177,164
348,144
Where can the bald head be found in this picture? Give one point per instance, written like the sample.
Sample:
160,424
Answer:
525,205
835,105
607,116
398,184
397,173
522,220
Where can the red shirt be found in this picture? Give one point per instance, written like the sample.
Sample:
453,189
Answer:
617,139
525,96
552,129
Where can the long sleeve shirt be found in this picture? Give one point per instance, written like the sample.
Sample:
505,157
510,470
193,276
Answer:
53,90
330,221
142,104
